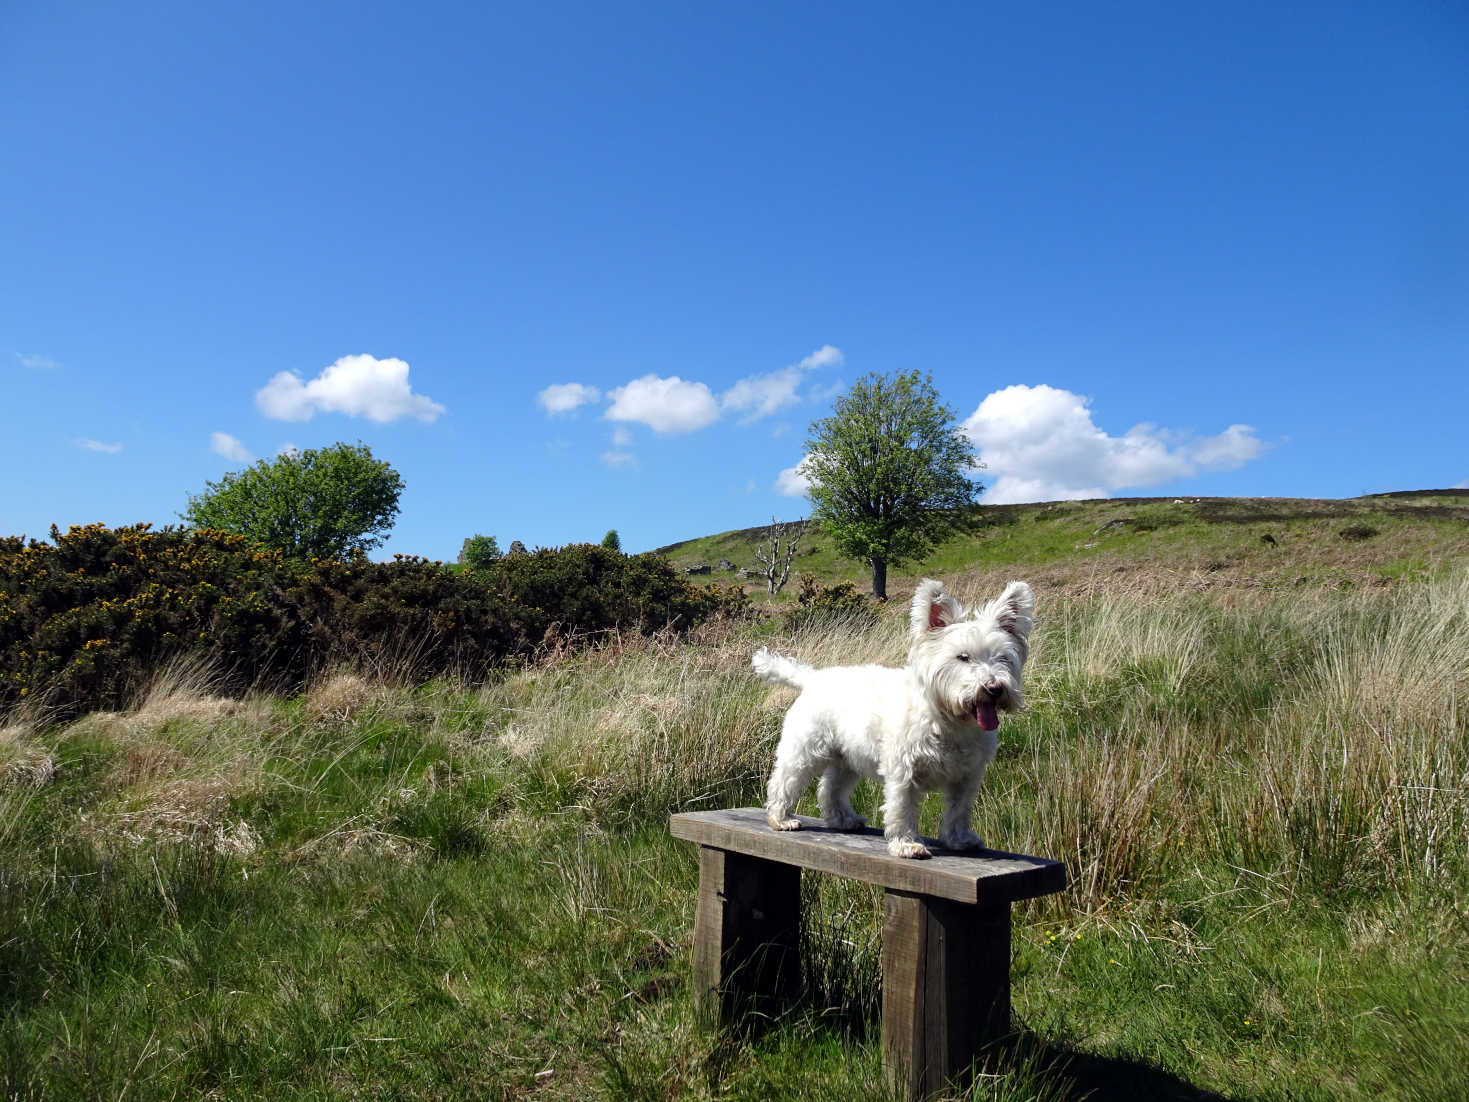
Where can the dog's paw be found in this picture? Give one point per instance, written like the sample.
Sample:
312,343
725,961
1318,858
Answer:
899,848
851,821
967,840
783,824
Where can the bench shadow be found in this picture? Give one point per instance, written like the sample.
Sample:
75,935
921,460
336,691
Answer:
1091,1076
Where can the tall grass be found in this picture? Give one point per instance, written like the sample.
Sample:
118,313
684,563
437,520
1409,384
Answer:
443,891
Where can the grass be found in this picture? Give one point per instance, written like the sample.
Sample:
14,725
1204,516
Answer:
441,891
1165,544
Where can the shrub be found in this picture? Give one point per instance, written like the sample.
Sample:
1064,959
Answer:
86,620
585,590
818,605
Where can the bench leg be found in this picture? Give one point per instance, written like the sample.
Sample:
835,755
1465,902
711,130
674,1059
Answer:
945,988
747,930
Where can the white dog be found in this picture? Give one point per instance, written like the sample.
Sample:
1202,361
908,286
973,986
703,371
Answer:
929,726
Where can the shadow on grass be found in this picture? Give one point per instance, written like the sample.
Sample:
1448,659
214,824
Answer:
1026,1064
1073,1074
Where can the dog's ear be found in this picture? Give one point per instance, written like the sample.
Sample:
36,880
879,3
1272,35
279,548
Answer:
933,608
1014,610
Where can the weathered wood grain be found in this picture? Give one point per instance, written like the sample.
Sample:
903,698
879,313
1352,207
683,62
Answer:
979,876
945,988
747,933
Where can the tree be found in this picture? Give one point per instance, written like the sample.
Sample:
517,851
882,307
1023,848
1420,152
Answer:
326,503
777,563
887,471
479,551
612,541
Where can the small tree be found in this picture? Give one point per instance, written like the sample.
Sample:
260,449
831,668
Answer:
479,551
325,503
888,469
777,562
612,541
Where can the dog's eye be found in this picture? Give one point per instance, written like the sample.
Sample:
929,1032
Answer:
964,658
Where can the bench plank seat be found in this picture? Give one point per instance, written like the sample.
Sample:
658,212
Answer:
973,876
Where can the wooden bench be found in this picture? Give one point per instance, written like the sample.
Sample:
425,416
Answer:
945,935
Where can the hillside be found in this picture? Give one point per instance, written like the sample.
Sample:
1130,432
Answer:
1251,755
1157,544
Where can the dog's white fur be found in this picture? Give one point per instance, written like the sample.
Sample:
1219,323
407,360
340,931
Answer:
931,725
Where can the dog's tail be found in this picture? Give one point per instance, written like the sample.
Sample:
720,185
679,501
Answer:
780,670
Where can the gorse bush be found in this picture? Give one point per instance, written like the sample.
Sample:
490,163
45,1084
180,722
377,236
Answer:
820,605
583,589
87,619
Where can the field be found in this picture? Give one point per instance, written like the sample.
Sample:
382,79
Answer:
1253,757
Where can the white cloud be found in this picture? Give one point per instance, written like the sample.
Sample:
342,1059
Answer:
669,405
619,460
1460,485
825,356
566,397
358,386
222,443
621,438
98,446
288,449
793,481
758,396
1040,444
37,363
761,395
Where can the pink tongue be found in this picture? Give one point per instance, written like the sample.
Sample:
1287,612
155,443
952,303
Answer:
986,715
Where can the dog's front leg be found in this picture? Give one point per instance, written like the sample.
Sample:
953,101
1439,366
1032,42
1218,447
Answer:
954,831
900,817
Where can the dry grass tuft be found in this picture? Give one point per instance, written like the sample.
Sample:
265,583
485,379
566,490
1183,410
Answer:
341,696
23,763
362,841
186,813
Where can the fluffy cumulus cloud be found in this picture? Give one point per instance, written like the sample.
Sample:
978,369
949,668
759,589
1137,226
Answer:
358,386
1039,444
670,405
793,481
758,396
222,443
566,397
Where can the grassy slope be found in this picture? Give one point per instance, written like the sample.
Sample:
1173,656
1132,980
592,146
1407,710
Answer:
1257,783
1157,542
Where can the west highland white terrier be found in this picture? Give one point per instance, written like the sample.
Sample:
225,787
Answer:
928,726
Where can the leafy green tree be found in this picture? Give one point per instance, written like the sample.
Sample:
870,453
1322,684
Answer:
612,541
327,503
480,551
888,469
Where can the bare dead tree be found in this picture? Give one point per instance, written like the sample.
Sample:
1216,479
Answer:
777,561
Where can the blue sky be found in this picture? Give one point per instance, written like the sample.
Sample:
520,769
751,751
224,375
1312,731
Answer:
571,267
